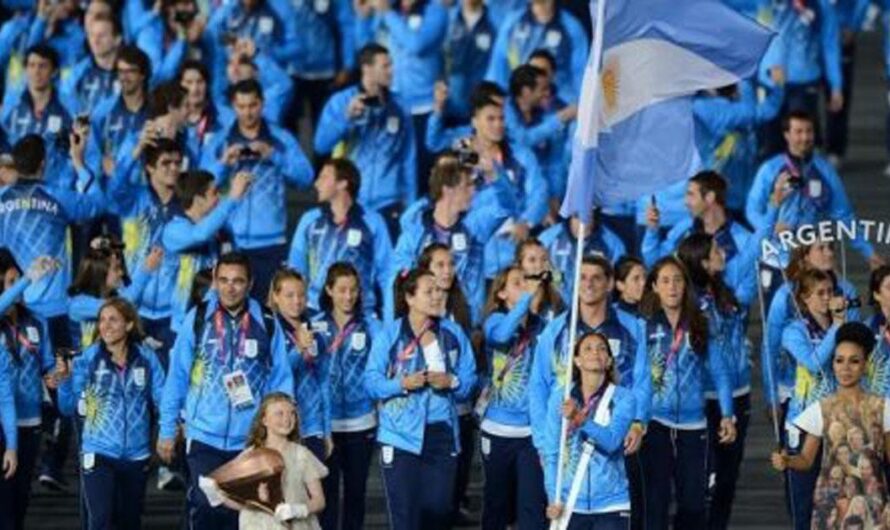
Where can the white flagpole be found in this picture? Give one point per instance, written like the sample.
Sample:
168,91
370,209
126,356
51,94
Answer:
596,58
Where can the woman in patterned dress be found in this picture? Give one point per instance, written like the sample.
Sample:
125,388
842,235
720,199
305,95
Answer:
853,424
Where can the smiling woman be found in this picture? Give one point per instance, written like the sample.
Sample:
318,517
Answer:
849,426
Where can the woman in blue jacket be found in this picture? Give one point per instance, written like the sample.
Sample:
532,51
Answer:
25,344
101,275
308,359
347,335
419,366
438,259
595,493
674,343
8,442
630,279
809,343
512,465
727,315
121,381
783,310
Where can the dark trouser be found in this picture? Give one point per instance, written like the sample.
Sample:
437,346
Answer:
15,493
159,330
351,459
464,460
727,459
264,262
55,425
203,459
625,227
600,521
633,466
114,492
837,125
59,430
801,485
315,444
512,464
424,156
674,458
391,216
312,91
419,487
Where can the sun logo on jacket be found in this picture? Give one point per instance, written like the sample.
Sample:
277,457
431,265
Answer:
92,408
197,375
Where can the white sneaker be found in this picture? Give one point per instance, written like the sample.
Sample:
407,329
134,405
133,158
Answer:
168,480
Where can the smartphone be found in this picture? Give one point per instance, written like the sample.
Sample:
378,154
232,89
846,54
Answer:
371,101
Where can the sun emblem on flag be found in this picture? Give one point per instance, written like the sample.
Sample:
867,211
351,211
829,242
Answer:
611,86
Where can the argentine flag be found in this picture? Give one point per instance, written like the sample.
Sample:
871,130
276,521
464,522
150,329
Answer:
635,131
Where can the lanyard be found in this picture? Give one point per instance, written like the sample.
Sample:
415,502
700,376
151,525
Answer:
589,406
408,351
219,326
676,344
341,336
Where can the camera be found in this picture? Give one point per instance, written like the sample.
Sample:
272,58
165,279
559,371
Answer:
106,244
68,353
466,155
796,181
246,153
184,17
81,122
228,38
371,101
543,276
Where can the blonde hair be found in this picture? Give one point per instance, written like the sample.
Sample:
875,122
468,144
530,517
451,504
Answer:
281,275
256,437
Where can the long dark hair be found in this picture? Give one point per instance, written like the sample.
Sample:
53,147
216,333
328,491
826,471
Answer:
406,284
456,305
338,270
692,251
650,305
611,376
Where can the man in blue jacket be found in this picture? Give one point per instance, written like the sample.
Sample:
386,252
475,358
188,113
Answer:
341,230
369,125
223,363
446,217
810,35
34,219
705,201
38,109
545,25
191,239
818,193
274,158
326,44
119,115
92,79
545,131
467,47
